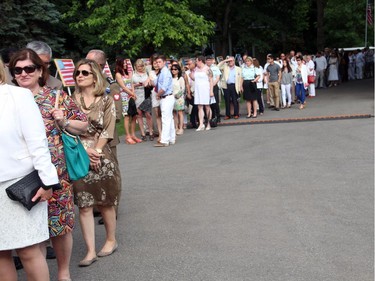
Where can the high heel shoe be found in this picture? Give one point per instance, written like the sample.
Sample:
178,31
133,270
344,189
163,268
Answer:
200,128
137,140
129,140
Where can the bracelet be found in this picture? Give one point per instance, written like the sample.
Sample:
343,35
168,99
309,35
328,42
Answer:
66,123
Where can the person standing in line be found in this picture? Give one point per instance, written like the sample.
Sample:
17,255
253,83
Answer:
156,114
101,187
113,90
202,77
359,64
44,52
321,66
333,76
179,94
30,72
190,94
215,107
23,148
301,81
311,72
274,73
259,86
165,94
250,77
351,66
231,84
286,82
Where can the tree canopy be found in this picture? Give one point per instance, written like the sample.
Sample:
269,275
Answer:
183,27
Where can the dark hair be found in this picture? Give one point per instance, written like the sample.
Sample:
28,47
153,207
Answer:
299,58
162,57
120,67
202,59
7,53
25,54
270,56
287,66
256,62
179,70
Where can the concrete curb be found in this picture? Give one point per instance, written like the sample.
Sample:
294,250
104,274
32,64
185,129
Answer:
291,120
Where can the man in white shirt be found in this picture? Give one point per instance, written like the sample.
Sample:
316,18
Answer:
321,66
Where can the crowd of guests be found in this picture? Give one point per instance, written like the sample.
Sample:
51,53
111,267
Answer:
164,97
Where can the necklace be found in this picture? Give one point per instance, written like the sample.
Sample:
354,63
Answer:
84,105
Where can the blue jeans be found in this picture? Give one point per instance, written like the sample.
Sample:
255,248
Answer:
300,92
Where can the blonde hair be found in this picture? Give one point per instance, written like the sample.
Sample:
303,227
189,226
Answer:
139,62
100,82
249,59
2,73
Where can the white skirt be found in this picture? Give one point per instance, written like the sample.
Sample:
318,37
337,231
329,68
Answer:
19,227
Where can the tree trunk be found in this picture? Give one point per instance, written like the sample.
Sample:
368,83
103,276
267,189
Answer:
320,40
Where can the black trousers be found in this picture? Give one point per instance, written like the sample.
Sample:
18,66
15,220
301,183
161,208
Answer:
230,95
215,107
194,113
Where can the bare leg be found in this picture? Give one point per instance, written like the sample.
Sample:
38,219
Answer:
149,123
181,120
7,268
255,108
109,217
86,219
209,115
175,120
34,263
140,122
158,120
126,126
248,106
63,246
132,127
201,115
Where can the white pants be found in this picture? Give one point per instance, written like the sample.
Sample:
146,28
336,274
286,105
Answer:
351,71
168,132
285,93
312,90
359,71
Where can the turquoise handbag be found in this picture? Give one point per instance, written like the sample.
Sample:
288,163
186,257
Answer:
76,157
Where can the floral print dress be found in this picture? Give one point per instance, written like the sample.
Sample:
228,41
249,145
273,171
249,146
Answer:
61,205
102,187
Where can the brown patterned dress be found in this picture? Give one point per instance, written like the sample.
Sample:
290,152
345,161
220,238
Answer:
99,188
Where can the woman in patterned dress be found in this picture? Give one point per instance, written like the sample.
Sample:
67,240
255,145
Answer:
69,117
124,80
100,188
179,94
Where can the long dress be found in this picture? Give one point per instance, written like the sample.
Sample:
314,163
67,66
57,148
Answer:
202,86
333,71
102,187
61,205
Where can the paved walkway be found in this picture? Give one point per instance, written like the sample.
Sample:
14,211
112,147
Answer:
275,202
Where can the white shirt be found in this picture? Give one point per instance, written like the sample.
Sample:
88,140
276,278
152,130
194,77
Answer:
23,142
321,63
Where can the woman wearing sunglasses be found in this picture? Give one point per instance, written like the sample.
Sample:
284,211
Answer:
100,188
29,71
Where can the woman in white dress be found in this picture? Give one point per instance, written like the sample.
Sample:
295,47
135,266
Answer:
23,148
333,76
203,91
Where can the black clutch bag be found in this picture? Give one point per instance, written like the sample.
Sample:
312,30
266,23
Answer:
25,189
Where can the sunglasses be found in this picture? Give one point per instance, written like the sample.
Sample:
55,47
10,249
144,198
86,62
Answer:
28,69
84,73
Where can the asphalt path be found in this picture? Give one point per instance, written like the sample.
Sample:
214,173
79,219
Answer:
286,201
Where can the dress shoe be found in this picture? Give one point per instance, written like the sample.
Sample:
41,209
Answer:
104,254
84,263
200,128
50,254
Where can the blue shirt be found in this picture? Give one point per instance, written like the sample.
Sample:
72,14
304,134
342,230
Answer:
165,81
232,75
250,73
215,71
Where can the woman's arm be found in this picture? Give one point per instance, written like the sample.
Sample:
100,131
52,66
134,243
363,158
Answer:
121,83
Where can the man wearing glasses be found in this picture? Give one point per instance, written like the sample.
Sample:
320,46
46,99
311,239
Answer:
45,54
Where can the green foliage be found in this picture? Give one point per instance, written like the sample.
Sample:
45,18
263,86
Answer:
130,25
24,21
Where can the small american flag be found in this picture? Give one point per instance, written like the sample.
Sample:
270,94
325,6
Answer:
369,15
65,67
